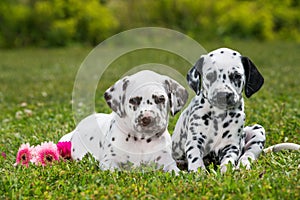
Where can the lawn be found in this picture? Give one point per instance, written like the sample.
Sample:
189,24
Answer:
35,102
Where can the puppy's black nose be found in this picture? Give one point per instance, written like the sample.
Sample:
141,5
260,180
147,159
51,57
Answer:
145,121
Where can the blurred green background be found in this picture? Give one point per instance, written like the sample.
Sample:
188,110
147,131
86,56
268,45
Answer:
49,23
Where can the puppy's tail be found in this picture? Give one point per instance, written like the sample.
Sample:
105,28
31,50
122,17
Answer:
282,146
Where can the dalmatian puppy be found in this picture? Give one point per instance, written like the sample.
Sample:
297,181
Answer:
136,131
211,128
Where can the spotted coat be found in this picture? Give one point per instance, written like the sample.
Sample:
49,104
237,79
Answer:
135,133
211,128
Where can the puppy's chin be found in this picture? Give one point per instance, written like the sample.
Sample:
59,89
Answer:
150,131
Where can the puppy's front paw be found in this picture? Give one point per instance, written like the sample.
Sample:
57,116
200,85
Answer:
245,161
224,167
195,168
108,165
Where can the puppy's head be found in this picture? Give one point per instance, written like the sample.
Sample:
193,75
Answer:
144,101
222,75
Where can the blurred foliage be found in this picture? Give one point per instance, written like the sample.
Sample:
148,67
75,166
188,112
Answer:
54,22
59,23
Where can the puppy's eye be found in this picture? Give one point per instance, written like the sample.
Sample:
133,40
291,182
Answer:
211,76
135,101
159,99
235,76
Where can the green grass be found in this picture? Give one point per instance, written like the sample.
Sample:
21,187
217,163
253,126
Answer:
43,79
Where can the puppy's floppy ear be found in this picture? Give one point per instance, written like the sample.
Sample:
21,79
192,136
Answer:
177,95
254,80
115,96
194,76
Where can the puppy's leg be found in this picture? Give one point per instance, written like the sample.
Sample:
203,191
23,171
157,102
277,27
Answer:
179,137
229,154
109,164
254,143
194,153
164,159
67,137
78,150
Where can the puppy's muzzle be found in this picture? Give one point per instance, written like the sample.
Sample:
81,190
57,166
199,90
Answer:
224,100
146,119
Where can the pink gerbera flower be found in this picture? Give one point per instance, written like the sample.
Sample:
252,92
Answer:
24,155
46,153
3,154
64,149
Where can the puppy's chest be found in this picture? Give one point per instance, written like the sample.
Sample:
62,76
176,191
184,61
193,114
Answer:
129,143
216,127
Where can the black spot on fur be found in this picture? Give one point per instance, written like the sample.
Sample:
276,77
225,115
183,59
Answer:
232,114
158,99
215,124
107,96
148,140
195,116
206,123
256,127
189,149
195,159
135,101
199,146
206,116
203,136
149,102
225,124
125,84
240,107
225,134
91,138
169,96
202,101
188,143
200,140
